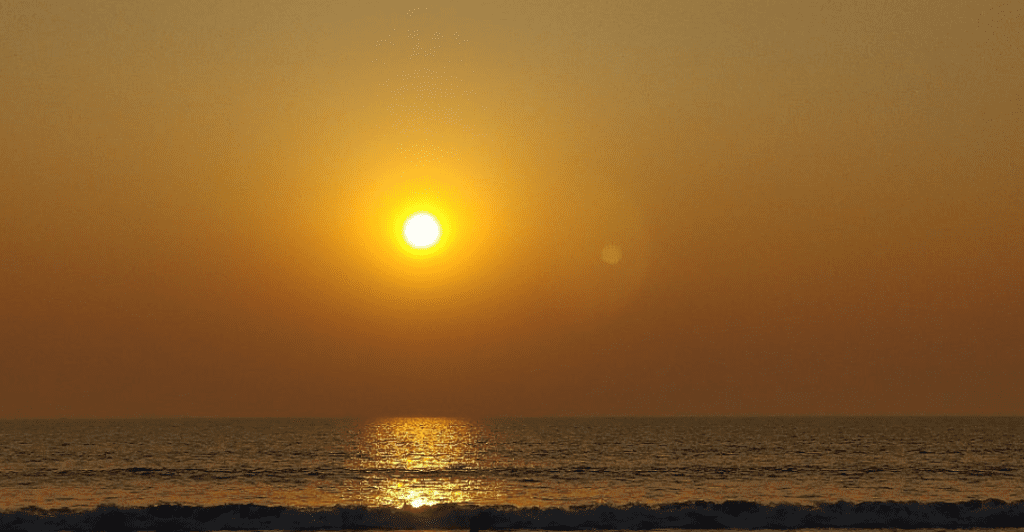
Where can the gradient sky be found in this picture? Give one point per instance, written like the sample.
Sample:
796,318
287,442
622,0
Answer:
817,207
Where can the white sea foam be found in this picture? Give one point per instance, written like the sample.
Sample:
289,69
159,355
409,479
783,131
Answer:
690,515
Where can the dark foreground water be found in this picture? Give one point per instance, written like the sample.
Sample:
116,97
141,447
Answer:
512,473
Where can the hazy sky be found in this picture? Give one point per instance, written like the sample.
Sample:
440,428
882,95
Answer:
661,208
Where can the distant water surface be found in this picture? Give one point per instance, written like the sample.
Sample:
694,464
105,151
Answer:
546,463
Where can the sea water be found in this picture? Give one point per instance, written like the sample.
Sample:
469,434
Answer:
440,472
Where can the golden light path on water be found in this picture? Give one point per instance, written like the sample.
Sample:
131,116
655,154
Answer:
427,454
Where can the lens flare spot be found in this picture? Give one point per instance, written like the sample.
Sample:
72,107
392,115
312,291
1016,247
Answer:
611,254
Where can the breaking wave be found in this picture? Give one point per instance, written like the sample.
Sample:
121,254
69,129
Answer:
990,513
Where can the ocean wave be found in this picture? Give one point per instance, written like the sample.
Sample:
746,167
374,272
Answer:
693,471
990,513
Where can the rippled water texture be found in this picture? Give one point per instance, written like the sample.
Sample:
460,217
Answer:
522,462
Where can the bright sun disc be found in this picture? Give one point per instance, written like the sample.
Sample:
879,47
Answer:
422,230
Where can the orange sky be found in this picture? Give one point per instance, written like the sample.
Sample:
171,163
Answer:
818,208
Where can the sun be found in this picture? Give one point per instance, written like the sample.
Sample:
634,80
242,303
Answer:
421,230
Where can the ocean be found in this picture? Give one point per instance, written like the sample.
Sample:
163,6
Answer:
555,473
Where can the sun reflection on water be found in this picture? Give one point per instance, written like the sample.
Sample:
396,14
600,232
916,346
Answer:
422,461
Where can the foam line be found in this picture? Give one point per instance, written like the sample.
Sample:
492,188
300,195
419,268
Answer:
990,513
